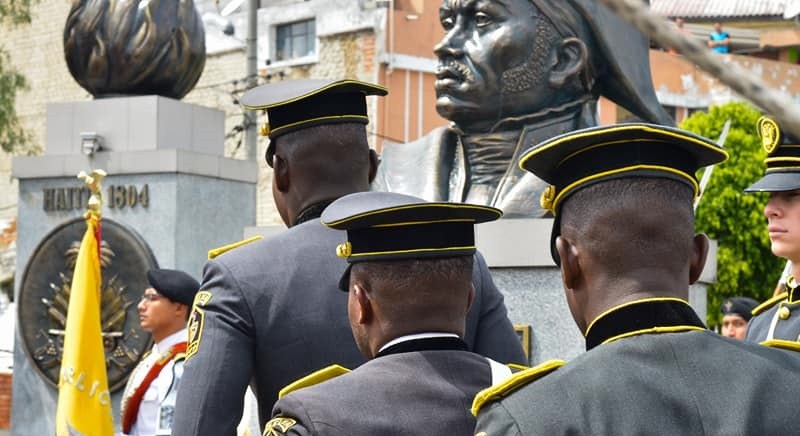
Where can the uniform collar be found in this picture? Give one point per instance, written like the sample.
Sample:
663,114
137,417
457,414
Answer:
791,286
166,344
422,342
651,315
312,212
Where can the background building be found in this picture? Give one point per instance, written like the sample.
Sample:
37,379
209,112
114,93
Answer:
386,41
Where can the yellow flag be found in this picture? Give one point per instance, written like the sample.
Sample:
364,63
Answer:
84,403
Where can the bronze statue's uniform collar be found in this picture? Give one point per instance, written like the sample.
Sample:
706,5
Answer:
520,122
521,132
312,212
651,315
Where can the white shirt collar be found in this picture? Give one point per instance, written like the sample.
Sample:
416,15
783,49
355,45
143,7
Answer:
180,336
416,336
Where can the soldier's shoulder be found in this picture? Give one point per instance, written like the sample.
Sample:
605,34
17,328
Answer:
782,344
513,383
763,307
314,378
216,252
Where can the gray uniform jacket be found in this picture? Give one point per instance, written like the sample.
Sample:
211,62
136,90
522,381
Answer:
781,321
685,382
417,392
271,312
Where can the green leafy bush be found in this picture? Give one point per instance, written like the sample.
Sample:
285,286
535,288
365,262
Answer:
745,263
12,135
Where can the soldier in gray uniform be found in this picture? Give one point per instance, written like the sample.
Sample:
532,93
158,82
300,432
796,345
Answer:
409,289
623,236
268,312
776,322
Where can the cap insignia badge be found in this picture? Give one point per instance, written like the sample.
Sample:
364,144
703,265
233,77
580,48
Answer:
770,133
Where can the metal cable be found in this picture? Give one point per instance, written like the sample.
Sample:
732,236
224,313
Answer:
745,83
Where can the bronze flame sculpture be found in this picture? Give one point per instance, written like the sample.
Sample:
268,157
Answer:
128,47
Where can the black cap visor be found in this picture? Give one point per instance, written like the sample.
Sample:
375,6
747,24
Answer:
778,181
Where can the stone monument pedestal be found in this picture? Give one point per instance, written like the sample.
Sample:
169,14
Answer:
168,182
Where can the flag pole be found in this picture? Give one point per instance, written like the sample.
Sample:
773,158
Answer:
84,401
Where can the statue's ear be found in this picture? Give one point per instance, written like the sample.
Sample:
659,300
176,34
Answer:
571,58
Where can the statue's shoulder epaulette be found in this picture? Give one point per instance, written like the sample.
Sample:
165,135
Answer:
225,248
513,383
769,303
314,378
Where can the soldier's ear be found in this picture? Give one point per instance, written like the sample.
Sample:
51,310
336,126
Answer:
570,61
182,311
373,164
570,264
698,259
280,173
365,310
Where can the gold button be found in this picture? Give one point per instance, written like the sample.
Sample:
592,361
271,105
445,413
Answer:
784,312
344,250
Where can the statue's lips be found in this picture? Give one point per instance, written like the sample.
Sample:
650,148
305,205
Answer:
451,74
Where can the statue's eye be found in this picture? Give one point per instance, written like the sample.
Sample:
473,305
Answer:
447,22
482,19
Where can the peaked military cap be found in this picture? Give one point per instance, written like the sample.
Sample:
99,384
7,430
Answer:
783,159
742,306
176,285
389,226
296,104
581,158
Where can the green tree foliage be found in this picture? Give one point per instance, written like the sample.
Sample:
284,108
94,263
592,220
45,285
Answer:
12,135
745,263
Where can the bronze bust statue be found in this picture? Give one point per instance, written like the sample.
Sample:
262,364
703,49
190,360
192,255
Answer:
512,73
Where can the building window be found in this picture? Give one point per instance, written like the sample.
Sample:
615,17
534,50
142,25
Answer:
295,40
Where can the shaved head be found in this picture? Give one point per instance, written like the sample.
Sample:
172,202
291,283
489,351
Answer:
320,163
332,152
419,293
632,223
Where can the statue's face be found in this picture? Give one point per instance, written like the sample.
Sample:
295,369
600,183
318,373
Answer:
492,61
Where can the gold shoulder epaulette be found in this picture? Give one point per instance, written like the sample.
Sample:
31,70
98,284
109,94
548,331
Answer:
769,303
515,367
782,343
219,250
513,383
180,356
314,378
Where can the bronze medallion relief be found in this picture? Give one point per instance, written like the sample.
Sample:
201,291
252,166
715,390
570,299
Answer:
44,295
